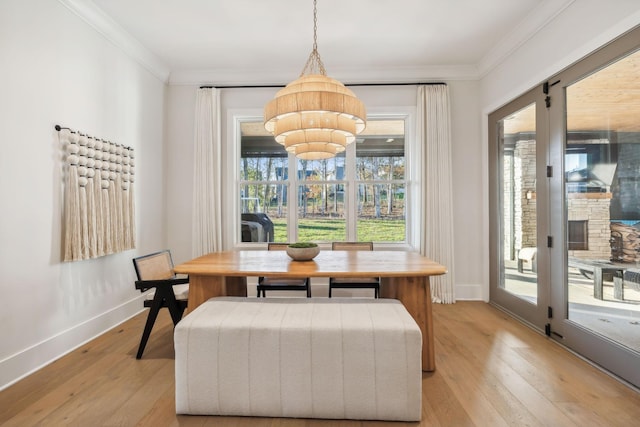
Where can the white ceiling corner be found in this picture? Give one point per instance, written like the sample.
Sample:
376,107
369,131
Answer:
116,34
537,19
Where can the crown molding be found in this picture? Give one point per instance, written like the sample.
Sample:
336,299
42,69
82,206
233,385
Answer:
103,24
521,33
236,77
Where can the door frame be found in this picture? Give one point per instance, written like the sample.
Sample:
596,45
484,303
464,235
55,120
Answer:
533,314
614,357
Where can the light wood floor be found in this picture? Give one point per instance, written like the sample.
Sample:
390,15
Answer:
491,371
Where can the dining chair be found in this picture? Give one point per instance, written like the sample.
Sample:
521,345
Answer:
275,283
162,288
354,282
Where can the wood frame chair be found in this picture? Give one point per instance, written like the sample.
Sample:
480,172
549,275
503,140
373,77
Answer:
354,282
274,283
155,273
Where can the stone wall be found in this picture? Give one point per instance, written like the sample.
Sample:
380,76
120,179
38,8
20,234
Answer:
519,198
525,194
507,188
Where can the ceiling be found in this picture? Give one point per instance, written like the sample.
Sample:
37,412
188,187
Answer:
360,41
606,101
268,41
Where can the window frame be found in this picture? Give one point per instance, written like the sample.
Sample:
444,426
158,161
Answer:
413,200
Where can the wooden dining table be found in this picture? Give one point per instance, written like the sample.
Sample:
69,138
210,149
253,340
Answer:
404,276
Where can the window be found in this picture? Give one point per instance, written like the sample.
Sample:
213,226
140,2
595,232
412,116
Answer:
264,186
380,180
358,195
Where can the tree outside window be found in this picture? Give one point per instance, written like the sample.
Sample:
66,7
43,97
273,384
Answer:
358,195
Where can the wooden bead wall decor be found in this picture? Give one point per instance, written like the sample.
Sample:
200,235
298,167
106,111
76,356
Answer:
99,211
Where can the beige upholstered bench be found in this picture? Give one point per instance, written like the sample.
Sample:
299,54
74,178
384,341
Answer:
299,357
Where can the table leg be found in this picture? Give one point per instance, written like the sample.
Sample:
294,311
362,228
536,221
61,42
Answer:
235,286
201,288
618,285
597,282
415,295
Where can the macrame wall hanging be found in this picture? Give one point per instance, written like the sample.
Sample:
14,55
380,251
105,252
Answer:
99,213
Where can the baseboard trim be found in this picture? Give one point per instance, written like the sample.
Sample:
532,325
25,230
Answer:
22,364
469,292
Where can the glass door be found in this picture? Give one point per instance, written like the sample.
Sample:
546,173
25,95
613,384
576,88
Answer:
518,242
596,137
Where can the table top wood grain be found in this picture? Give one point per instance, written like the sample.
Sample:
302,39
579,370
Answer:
326,264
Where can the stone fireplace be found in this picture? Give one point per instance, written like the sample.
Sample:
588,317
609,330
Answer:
590,210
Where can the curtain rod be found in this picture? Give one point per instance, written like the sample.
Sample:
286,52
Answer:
59,128
349,84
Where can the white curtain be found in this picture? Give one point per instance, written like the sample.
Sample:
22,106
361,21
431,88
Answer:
434,130
207,174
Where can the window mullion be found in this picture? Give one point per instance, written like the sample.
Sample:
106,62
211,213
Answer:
293,189
351,203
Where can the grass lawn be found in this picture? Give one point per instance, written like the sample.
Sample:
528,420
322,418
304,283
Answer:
330,230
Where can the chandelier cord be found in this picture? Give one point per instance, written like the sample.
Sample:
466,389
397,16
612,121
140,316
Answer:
314,63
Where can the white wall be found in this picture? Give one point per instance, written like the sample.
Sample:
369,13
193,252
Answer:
467,171
55,69
467,189
180,125
580,29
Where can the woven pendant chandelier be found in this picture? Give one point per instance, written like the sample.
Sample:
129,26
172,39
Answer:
315,117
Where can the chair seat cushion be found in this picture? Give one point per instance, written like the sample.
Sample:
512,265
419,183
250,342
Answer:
181,292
